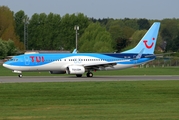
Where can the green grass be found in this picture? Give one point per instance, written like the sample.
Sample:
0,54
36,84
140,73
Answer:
129,71
137,100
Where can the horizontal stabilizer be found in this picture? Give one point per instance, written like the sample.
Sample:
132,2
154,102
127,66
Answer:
150,56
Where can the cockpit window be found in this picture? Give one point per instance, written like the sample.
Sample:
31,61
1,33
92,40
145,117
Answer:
13,59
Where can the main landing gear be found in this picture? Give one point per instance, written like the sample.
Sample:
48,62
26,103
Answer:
20,75
88,74
78,75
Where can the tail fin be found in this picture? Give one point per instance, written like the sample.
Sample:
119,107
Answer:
148,42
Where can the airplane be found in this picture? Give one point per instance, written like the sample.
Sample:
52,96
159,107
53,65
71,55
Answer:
79,63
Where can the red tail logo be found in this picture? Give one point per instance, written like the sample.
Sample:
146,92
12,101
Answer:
148,46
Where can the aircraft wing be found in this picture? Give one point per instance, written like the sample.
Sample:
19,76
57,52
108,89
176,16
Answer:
99,65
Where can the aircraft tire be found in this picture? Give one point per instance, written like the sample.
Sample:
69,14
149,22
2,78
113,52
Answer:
89,74
20,75
78,75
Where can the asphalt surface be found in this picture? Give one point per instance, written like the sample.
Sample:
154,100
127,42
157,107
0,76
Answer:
15,79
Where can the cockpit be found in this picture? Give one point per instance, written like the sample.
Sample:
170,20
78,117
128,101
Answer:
13,59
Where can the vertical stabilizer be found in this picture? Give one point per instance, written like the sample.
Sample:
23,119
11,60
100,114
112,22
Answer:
148,42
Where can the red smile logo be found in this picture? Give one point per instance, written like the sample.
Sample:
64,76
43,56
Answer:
148,46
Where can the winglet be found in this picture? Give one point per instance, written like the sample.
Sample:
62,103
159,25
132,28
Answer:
140,54
74,51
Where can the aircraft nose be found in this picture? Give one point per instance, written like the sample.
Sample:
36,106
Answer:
4,64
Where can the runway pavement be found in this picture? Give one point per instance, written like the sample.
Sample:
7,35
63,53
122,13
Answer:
15,79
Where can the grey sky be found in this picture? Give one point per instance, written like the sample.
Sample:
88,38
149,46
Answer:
117,9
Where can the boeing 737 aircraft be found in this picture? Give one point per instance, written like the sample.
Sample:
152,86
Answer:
79,63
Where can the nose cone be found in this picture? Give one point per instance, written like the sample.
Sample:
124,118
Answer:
5,65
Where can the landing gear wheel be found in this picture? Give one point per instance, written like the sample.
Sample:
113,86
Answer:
20,75
89,74
78,75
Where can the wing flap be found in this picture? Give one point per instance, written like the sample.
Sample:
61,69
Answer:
98,65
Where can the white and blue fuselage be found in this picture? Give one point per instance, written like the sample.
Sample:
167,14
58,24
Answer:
58,63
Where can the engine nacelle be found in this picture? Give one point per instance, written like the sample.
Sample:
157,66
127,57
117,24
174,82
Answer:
75,70
16,71
57,72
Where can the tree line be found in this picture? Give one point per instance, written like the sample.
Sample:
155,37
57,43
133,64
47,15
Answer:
55,32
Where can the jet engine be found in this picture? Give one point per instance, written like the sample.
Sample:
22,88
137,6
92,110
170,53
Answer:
75,70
